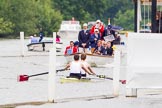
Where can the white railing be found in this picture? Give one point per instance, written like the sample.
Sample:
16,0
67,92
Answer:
70,27
52,75
144,62
70,22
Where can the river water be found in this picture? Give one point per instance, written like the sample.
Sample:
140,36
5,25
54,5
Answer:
35,89
12,65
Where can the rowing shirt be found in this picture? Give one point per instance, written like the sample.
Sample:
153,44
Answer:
75,67
85,64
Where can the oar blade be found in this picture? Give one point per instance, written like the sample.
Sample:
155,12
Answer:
106,77
22,78
123,81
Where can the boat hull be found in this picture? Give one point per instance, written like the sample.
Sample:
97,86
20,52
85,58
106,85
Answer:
69,35
94,60
43,46
72,80
69,30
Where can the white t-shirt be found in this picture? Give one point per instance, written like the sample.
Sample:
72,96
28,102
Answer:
75,67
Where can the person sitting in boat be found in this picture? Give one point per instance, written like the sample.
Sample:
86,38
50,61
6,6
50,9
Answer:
94,39
117,38
104,49
58,39
98,26
110,50
76,44
108,32
33,39
75,68
86,65
71,49
98,48
107,49
83,37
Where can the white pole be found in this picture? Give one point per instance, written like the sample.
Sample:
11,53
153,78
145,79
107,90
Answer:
22,44
52,73
116,72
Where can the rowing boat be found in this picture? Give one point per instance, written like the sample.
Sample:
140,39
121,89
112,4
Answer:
71,80
96,60
93,59
85,79
44,46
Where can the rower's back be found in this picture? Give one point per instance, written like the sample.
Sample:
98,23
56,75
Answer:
84,63
75,67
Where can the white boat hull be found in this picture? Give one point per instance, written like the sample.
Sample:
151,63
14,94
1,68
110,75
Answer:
69,30
94,60
74,80
43,46
69,35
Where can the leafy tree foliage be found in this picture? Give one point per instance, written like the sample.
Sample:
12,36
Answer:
125,19
6,26
91,10
31,15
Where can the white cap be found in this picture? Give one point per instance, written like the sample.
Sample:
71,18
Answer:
96,30
85,24
98,21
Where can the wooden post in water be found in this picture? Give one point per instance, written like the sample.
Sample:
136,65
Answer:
52,72
116,72
22,44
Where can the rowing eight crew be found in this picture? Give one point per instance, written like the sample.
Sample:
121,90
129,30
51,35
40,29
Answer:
79,68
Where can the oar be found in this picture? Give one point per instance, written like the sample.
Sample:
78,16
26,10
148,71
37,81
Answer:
26,77
84,49
106,77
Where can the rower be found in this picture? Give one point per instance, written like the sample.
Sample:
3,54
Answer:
75,68
86,65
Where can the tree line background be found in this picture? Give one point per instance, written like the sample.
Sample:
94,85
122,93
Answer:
31,15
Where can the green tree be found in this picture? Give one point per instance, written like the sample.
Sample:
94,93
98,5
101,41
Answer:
126,19
5,27
82,10
30,15
48,18
21,14
91,10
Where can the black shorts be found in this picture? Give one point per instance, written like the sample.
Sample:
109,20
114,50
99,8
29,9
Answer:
77,75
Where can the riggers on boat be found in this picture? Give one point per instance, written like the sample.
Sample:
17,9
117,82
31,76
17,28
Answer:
44,46
84,79
71,80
